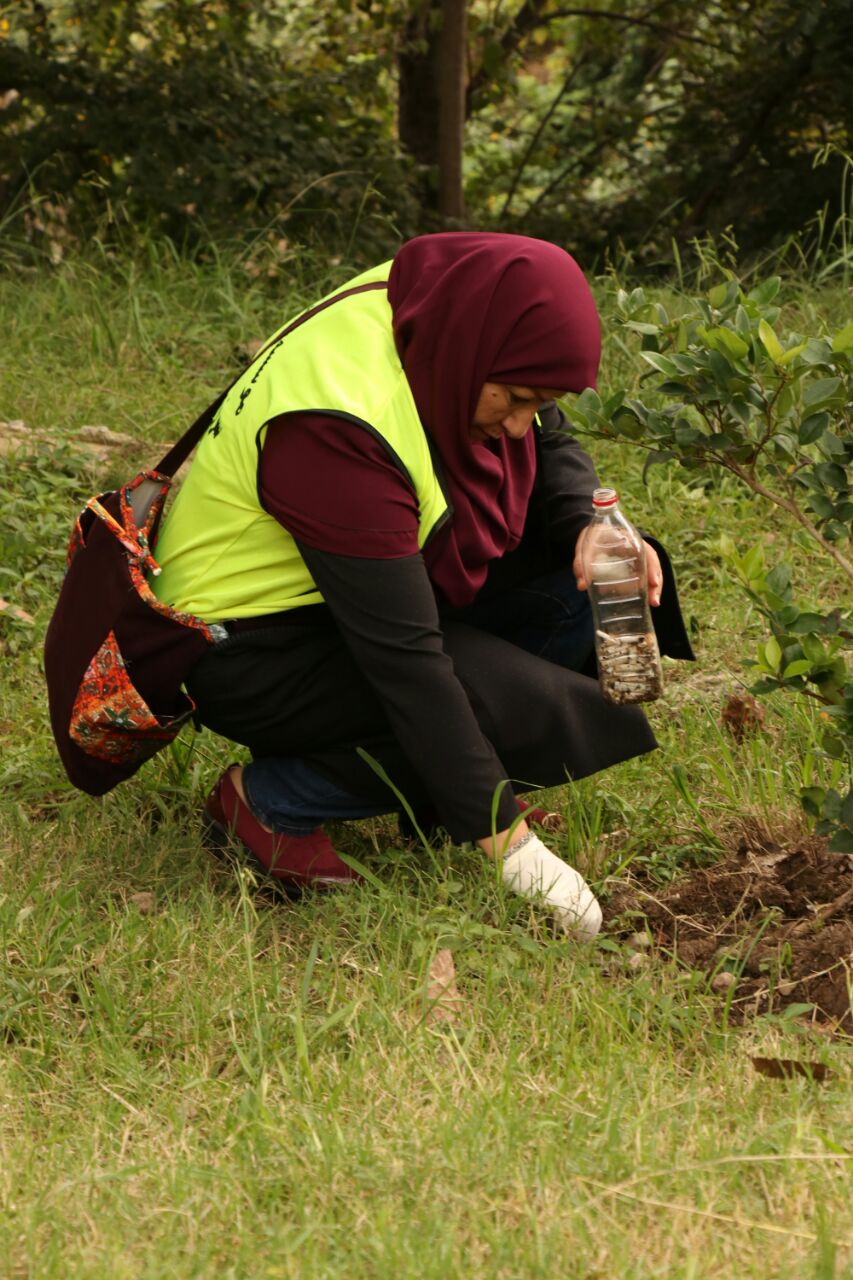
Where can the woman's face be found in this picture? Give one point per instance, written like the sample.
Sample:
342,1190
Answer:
507,411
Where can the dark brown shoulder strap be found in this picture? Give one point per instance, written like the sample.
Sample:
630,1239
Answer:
180,451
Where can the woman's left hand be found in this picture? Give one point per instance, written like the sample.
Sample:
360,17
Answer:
653,569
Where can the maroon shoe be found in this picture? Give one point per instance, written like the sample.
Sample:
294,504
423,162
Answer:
296,862
548,820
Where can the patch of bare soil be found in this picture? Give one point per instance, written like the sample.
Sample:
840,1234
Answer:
771,927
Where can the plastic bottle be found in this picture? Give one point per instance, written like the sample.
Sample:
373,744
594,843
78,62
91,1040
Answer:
614,563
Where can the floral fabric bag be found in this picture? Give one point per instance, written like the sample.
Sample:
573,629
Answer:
115,656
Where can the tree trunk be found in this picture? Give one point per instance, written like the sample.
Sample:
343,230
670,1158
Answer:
452,70
432,66
417,101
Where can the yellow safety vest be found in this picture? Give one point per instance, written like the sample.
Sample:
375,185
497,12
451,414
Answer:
221,554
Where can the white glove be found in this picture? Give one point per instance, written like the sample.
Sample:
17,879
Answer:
534,871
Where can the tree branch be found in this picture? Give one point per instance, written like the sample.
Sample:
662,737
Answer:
528,18
537,134
534,13
720,460
661,27
793,510
586,160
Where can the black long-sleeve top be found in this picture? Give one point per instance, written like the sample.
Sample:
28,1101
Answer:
354,516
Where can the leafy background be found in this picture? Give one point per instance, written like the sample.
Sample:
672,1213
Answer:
612,128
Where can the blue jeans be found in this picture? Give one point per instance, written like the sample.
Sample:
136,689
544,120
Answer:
547,616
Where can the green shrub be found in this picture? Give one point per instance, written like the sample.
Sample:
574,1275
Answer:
725,391
194,120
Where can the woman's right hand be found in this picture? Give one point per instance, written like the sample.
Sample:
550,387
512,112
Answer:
531,869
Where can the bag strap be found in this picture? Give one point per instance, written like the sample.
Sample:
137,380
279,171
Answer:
180,451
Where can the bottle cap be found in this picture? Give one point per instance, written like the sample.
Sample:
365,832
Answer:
605,498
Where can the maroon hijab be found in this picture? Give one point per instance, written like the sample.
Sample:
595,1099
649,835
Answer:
471,308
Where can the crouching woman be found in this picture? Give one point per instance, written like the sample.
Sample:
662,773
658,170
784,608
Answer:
384,517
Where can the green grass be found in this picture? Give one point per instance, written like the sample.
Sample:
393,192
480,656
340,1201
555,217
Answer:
228,1086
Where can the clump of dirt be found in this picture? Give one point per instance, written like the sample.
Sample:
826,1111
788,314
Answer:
742,716
778,921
